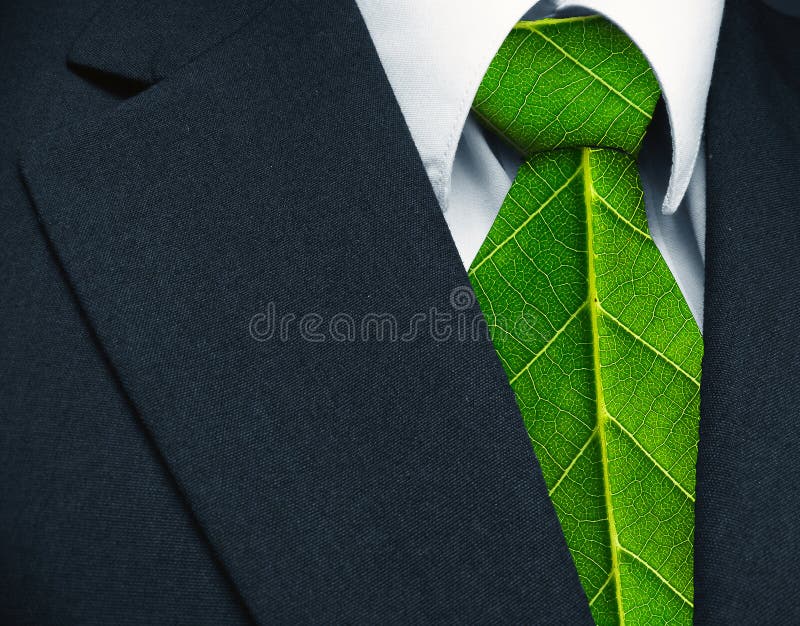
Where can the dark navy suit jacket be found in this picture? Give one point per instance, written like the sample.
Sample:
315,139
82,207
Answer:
167,170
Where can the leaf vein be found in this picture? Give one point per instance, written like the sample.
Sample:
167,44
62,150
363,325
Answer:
651,458
648,345
574,460
592,73
658,574
549,343
527,220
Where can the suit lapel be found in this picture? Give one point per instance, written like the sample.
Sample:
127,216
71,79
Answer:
337,480
149,40
748,501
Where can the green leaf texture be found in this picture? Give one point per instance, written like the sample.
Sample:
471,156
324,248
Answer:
596,338
591,87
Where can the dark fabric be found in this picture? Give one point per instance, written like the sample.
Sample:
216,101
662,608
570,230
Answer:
147,40
92,529
747,555
152,450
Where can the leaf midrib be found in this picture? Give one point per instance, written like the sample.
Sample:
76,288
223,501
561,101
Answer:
592,301
603,416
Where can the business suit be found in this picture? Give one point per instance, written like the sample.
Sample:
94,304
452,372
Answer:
159,465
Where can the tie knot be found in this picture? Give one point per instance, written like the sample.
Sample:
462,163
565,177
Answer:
565,83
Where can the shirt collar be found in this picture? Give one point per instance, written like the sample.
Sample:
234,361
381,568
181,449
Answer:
435,53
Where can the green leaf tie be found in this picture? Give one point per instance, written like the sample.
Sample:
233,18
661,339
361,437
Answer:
598,343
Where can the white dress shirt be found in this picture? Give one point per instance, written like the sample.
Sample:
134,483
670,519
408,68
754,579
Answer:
435,53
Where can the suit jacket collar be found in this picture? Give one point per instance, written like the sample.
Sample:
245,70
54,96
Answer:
344,481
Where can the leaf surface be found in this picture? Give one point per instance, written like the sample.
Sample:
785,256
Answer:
597,340
549,74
